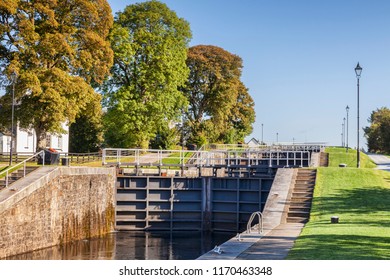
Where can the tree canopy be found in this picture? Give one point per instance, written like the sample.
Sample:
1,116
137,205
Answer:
57,49
142,97
220,107
378,133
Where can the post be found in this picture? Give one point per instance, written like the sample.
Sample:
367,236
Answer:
358,145
11,150
358,71
344,132
347,109
262,134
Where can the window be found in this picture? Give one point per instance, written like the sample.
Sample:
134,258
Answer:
48,141
60,142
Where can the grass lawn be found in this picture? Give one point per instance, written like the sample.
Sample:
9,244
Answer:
339,155
174,158
361,200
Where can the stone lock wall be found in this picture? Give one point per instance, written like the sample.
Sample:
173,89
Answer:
66,205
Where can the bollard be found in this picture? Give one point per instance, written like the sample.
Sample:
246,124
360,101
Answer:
334,219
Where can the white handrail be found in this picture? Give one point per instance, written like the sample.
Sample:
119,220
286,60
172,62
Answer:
252,217
7,171
146,157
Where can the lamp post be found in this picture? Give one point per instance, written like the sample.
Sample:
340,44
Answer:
347,109
277,137
343,132
11,150
262,134
342,135
358,71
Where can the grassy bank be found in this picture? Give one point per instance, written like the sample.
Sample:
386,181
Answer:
340,155
360,198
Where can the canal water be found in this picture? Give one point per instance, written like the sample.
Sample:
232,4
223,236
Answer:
128,245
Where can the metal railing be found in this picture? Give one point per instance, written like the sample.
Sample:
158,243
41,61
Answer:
280,146
152,157
251,219
13,168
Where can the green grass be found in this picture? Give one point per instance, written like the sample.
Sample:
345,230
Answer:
360,198
340,155
174,158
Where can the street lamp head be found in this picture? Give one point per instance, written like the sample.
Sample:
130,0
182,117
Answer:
358,70
347,108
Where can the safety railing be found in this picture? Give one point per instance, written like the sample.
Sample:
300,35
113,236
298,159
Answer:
13,168
152,157
259,225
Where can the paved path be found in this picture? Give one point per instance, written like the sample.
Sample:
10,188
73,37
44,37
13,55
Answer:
275,245
382,162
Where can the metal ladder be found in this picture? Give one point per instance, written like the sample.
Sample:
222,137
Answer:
260,224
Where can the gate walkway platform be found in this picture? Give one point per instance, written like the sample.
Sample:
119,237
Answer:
275,245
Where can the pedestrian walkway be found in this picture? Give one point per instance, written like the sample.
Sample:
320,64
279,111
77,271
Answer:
382,162
275,245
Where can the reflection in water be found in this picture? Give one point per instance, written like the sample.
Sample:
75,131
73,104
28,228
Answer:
133,246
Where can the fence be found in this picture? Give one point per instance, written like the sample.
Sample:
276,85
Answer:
9,170
151,157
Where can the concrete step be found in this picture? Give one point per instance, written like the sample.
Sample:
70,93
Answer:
304,183
303,214
300,199
301,194
297,219
300,209
306,172
304,186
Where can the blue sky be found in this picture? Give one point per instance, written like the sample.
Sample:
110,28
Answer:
299,59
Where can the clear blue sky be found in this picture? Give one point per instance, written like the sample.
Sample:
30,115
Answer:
299,59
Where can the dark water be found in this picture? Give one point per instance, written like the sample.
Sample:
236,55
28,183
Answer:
134,246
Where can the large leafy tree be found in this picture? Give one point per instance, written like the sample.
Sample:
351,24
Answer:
86,133
378,133
220,107
142,97
57,49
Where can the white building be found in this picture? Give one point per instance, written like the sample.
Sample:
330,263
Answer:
253,143
26,142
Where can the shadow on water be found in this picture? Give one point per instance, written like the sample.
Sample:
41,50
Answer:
133,246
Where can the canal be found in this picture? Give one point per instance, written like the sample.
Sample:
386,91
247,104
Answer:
130,245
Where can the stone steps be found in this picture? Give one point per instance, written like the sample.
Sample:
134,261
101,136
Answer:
16,175
324,159
301,196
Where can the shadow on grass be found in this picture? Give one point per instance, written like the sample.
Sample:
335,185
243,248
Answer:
341,247
363,231
360,201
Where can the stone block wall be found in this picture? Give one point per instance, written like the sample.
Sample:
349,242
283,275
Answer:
65,205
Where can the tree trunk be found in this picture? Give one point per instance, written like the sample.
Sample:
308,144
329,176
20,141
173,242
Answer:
41,139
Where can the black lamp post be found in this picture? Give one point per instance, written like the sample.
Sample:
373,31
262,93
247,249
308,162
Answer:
344,132
347,109
11,149
262,134
358,71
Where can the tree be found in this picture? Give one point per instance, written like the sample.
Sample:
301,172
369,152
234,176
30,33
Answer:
378,133
241,117
220,107
142,96
86,133
57,49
